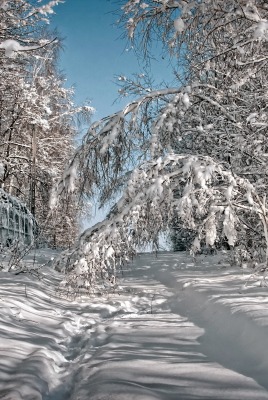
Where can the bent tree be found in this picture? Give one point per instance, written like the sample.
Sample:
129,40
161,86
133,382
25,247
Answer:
195,152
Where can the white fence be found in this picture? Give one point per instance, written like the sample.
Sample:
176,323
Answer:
16,221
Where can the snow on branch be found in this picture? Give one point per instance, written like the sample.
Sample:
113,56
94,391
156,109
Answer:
154,152
106,153
12,47
177,24
48,8
197,190
145,128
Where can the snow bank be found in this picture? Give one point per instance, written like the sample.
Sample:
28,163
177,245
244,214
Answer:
174,329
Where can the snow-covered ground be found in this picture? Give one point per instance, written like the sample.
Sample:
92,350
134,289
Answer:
173,329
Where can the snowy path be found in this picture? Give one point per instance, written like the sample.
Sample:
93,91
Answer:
173,331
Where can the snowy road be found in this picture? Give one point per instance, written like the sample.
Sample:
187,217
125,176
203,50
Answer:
173,331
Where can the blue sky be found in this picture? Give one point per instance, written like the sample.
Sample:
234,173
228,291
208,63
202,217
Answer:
94,52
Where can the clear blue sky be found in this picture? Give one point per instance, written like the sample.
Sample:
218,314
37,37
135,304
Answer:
93,52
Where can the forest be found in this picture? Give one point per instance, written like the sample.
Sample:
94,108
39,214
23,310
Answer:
104,313
187,160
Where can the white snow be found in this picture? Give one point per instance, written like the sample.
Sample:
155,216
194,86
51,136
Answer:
186,100
2,170
174,328
261,30
4,5
179,25
48,8
12,46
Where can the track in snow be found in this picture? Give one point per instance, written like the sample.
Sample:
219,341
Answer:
161,337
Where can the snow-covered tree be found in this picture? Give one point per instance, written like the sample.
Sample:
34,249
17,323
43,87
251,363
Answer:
222,45
36,117
195,152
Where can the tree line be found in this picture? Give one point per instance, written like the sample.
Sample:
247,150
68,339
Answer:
37,118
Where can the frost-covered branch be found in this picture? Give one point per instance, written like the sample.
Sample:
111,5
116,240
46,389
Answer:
179,156
146,127
197,190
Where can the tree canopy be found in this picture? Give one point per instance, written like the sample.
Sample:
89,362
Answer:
194,152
